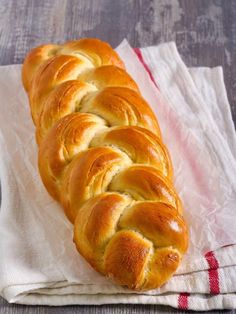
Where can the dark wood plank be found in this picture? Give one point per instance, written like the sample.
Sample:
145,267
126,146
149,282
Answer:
204,30
110,309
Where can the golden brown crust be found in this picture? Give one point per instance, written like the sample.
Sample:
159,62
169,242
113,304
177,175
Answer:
100,216
102,157
89,175
33,60
121,106
69,136
138,244
141,145
162,265
99,52
146,183
158,222
63,100
126,258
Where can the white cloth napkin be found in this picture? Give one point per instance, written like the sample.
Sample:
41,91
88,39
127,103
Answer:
39,263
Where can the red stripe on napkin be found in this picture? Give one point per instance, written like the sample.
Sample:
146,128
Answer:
192,158
213,273
210,257
140,56
183,300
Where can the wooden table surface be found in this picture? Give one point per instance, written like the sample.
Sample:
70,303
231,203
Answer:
204,30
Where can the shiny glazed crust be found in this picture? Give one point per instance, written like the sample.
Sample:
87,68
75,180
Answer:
102,157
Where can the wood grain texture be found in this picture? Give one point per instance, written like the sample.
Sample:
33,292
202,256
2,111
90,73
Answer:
204,30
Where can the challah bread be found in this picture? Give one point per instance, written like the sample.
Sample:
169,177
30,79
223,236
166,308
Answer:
102,157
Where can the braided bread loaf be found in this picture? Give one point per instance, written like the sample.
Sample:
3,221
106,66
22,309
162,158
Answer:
101,156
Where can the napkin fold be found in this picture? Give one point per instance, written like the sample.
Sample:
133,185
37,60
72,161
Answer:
39,263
